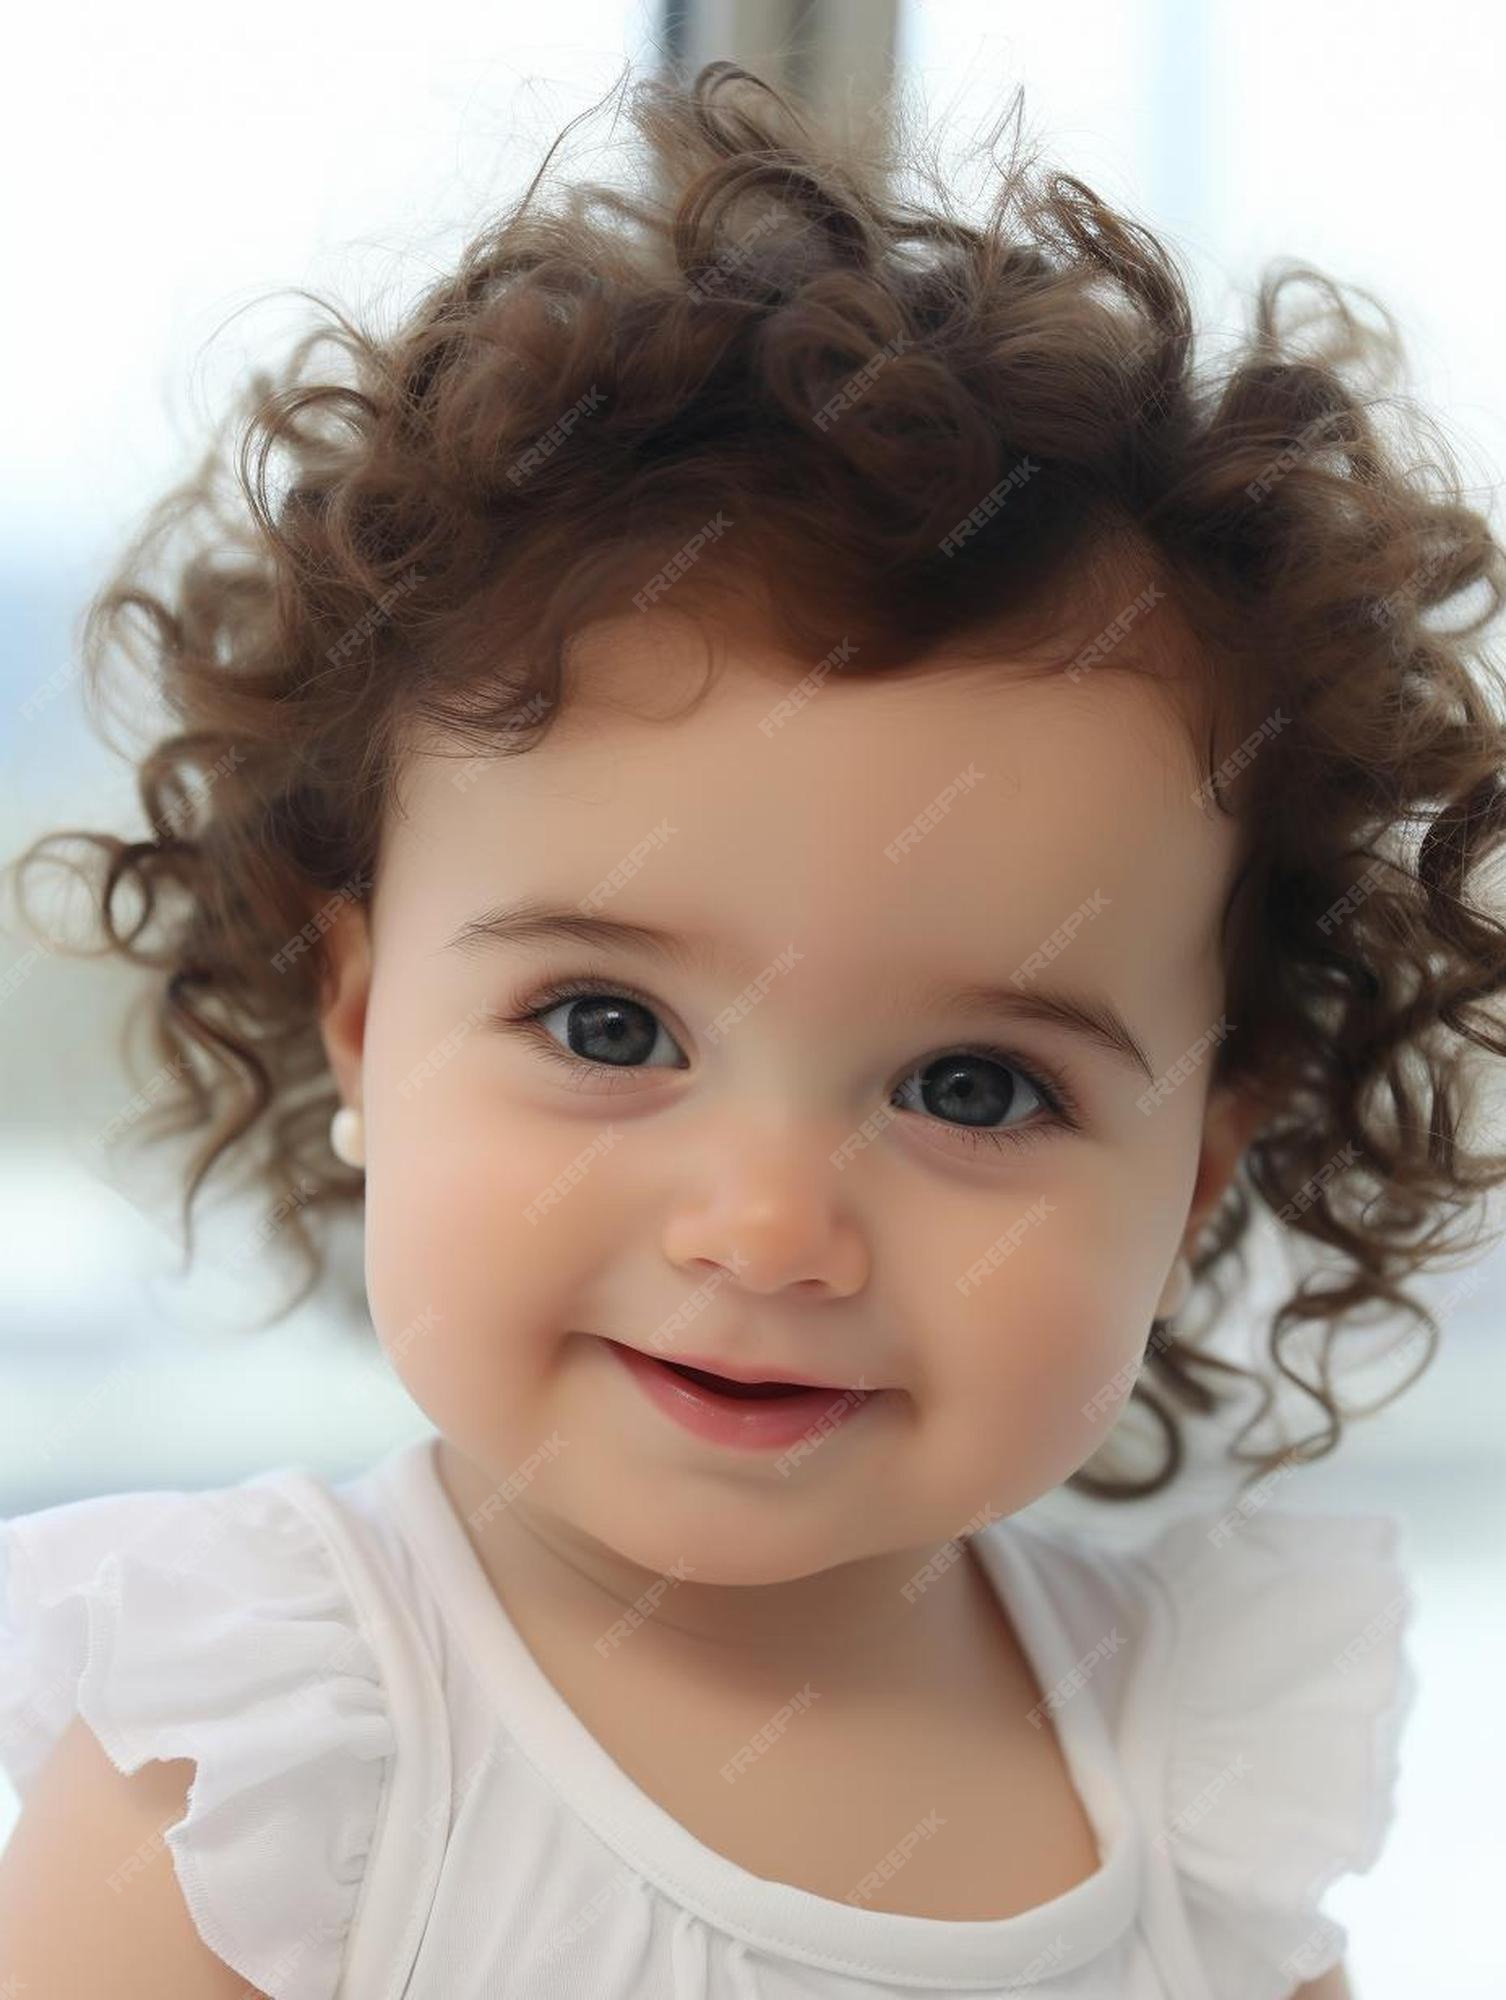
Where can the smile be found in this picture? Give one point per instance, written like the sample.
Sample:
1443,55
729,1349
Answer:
748,1416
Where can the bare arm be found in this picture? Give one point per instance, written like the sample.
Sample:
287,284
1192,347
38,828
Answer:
89,1898
1333,1985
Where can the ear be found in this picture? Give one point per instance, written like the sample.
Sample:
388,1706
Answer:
345,983
1234,1114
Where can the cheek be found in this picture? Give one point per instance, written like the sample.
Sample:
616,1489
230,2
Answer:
475,1242
1045,1343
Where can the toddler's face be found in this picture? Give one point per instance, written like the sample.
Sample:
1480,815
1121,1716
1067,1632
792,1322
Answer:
768,1155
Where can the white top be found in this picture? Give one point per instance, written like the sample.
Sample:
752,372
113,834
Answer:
393,1800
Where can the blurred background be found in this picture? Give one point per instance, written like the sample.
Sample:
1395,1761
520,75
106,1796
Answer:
170,168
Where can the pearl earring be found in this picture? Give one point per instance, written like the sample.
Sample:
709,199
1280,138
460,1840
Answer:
347,1136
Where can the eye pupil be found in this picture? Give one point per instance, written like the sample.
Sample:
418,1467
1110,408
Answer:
612,1022
975,1100
967,1088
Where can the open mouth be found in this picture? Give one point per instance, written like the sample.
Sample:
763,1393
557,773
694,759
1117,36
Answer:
743,1391
743,1416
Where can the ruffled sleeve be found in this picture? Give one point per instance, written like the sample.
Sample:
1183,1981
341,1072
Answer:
212,1626
1291,1689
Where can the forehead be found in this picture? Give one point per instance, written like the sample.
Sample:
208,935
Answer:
954,809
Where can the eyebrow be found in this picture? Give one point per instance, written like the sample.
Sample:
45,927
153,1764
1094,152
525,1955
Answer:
1092,1017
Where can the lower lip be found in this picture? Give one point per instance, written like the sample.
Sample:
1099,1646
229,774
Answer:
767,1424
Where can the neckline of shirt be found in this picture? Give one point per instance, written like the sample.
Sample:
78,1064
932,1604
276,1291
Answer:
776,1917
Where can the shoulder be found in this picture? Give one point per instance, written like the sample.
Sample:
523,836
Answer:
240,1654
1258,1687
1334,1985
86,1905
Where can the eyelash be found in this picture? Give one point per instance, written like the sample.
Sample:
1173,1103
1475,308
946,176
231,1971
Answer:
1065,1113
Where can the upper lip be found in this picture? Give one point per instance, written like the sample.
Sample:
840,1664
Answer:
709,1364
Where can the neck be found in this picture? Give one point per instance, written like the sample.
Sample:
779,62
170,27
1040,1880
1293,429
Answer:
847,1625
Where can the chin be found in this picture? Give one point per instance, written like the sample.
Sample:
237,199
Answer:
727,1543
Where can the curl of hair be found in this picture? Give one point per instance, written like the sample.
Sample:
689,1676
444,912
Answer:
929,430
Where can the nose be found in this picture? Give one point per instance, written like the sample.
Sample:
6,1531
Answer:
773,1224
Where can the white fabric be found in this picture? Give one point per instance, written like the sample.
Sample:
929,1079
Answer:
392,1802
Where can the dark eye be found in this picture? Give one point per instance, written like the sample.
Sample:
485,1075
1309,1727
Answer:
612,1029
967,1090
972,1089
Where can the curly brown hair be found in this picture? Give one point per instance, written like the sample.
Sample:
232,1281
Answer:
601,376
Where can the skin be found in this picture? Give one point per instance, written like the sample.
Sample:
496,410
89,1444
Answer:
722,1171
720,1184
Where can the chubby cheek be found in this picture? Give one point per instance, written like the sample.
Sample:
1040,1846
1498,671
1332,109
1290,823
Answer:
1039,1357
472,1271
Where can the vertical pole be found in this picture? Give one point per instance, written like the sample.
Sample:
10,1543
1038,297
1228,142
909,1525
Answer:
836,55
